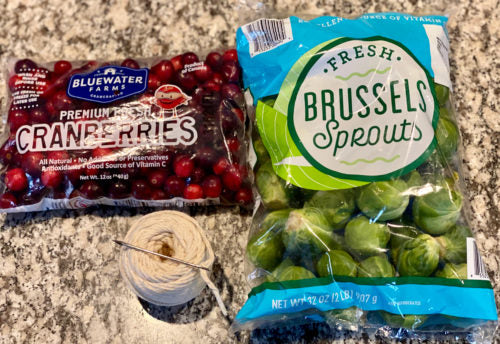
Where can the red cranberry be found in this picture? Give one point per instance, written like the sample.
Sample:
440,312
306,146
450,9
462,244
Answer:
233,144
141,189
24,66
91,65
157,177
238,113
51,178
206,98
31,163
118,189
153,82
186,80
227,119
227,195
183,166
8,200
8,150
203,73
221,166
74,172
230,91
15,82
189,58
164,70
177,62
214,60
243,196
61,101
205,156
211,85
232,177
16,180
174,186
212,186
197,175
51,109
217,78
58,155
130,63
46,90
91,190
158,194
17,118
230,55
230,71
130,171
62,67
39,115
103,154
193,191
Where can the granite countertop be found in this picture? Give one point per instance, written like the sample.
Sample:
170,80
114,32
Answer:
59,277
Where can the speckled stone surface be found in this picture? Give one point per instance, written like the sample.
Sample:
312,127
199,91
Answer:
59,277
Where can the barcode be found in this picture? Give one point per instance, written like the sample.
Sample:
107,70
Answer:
266,34
475,265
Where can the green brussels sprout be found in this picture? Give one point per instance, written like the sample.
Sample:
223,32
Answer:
413,179
365,237
271,187
297,196
456,271
454,244
436,212
442,93
337,205
376,266
408,321
260,150
343,318
266,248
307,231
336,263
383,200
401,232
418,256
293,273
273,277
447,137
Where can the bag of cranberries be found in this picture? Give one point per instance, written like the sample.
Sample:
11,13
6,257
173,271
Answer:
146,132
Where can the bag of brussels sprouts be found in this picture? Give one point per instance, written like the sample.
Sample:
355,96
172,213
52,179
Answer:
361,220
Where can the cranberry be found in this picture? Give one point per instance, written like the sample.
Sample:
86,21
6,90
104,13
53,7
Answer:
227,195
91,65
205,156
59,82
118,189
238,113
193,191
17,118
230,55
221,165
243,196
183,166
61,101
158,194
57,155
232,177
8,150
164,70
31,163
217,78
39,115
24,66
214,60
206,98
197,175
46,90
203,73
16,180
74,172
130,171
186,80
62,67
174,186
230,71
227,118
189,58
91,190
141,189
51,109
230,91
8,200
157,177
233,144
51,178
103,154
130,63
15,81
212,186
177,62
211,86
153,82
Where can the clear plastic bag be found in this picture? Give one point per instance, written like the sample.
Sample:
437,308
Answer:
361,220
145,132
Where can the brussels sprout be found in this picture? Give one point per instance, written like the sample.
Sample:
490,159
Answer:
366,238
293,273
266,248
336,263
273,277
260,150
413,179
337,205
447,137
419,256
408,321
271,187
456,271
376,266
297,196
436,212
442,93
307,231
400,234
454,244
343,318
383,200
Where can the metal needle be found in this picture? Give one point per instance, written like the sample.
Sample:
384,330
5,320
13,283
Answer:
122,243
